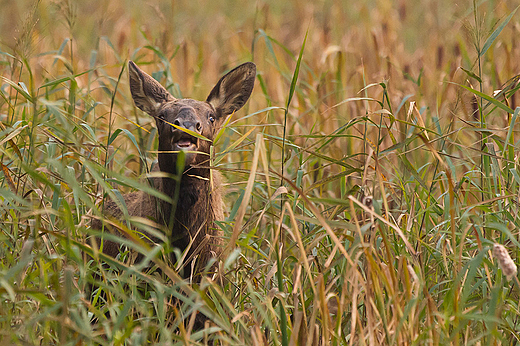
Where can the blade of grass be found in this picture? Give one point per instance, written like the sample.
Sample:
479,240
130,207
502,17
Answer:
289,99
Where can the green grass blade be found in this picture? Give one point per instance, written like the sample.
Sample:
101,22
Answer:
488,98
497,32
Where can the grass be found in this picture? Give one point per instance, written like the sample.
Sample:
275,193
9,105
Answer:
396,127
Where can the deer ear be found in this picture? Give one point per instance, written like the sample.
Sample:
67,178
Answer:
147,93
233,90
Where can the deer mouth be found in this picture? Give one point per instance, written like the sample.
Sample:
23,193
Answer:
186,143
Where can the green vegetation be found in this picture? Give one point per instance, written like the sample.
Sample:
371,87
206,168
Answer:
394,124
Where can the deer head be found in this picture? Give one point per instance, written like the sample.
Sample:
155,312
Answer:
202,117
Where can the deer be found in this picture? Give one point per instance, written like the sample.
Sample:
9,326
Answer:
197,199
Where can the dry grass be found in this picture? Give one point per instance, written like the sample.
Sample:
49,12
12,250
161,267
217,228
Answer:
399,165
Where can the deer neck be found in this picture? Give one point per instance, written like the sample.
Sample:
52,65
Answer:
191,199
190,215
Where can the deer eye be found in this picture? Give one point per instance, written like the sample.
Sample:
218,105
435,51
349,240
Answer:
212,118
160,115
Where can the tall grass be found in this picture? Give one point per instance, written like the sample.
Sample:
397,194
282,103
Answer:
396,129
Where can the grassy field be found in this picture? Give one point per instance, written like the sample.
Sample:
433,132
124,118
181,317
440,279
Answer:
368,178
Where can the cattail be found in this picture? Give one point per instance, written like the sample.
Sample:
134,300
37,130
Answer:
504,261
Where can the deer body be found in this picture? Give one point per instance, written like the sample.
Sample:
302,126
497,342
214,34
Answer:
190,220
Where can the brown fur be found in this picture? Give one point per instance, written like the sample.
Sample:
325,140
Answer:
200,202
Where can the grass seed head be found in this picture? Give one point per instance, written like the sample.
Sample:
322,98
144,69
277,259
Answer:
504,261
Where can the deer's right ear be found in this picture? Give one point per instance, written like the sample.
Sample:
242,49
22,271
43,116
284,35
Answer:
147,93
233,90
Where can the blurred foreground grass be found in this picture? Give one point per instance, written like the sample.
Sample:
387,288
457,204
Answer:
400,167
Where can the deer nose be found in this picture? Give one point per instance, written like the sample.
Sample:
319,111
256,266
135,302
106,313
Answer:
188,120
190,125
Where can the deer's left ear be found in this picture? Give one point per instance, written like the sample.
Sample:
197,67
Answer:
147,93
233,90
